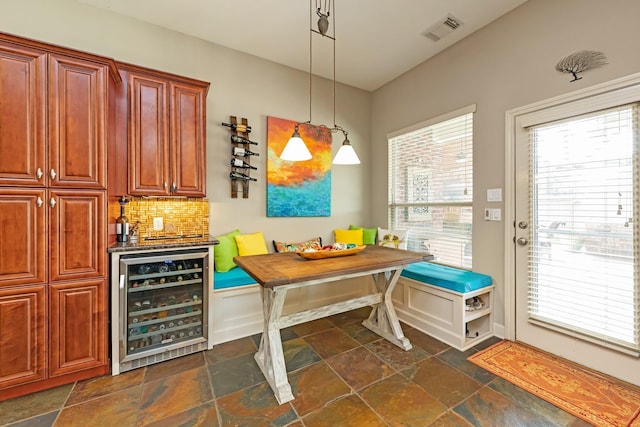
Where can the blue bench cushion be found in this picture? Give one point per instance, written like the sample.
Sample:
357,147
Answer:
446,277
232,278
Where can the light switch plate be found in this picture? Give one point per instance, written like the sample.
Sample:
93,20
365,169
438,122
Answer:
493,214
494,195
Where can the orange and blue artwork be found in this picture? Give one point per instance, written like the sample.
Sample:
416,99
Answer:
298,188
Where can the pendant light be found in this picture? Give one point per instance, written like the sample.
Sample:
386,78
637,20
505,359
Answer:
296,149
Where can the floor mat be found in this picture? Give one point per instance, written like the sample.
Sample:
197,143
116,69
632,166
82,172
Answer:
590,396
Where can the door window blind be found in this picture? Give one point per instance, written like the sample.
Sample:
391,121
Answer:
583,253
431,187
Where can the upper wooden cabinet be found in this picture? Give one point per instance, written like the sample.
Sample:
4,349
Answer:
77,134
53,117
166,132
22,115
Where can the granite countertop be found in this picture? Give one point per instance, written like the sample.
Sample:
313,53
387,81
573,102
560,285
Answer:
163,243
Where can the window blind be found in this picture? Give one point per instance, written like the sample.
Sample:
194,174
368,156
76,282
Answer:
431,187
583,253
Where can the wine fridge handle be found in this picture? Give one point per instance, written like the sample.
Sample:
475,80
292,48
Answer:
122,281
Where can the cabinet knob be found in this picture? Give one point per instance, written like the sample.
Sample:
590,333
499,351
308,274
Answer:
39,202
165,185
174,187
53,174
39,173
52,202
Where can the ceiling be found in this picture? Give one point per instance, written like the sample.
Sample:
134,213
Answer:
376,40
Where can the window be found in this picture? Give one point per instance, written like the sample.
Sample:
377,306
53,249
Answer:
582,261
431,186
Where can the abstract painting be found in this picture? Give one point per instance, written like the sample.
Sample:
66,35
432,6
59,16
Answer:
302,188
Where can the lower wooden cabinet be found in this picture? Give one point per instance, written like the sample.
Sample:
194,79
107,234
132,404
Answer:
23,335
77,328
53,288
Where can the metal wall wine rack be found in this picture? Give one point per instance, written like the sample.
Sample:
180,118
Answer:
240,174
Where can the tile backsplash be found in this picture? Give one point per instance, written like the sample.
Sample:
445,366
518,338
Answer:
180,217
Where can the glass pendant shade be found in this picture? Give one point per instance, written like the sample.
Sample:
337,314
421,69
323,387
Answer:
346,155
295,150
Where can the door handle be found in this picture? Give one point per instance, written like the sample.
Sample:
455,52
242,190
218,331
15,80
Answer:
522,241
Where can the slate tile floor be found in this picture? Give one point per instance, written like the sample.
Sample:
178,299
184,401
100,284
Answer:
341,375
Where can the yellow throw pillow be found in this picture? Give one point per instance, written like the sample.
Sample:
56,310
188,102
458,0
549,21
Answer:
251,244
349,236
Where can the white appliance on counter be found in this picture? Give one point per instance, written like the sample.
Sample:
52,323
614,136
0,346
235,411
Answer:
161,305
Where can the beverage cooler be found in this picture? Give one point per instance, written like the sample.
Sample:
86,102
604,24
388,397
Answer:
160,306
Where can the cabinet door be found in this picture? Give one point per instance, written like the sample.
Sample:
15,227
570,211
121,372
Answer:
22,116
77,231
22,335
77,123
188,155
22,236
78,326
148,136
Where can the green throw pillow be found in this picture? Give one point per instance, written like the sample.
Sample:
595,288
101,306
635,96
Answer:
368,234
224,252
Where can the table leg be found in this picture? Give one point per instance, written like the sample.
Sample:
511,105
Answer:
270,357
383,319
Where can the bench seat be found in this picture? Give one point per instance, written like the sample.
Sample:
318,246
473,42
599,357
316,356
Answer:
450,278
232,278
450,304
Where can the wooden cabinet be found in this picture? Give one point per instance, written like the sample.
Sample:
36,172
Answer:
148,136
78,334
166,121
23,333
77,123
75,286
22,115
23,245
188,139
77,238
54,110
69,94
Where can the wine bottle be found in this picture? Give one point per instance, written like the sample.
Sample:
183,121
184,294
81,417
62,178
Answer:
238,127
122,223
241,176
239,163
241,140
242,152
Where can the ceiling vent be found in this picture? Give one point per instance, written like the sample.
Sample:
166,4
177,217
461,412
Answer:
443,28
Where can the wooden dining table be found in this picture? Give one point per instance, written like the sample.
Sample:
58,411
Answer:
279,272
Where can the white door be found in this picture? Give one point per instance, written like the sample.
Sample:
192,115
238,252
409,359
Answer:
576,250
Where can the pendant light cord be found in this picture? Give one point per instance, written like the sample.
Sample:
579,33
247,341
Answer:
310,56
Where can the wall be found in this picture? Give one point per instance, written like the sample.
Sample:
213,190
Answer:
241,85
508,64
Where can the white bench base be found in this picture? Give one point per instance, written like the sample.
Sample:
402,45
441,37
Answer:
237,312
441,313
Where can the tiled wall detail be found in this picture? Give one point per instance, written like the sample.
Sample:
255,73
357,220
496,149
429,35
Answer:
181,217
